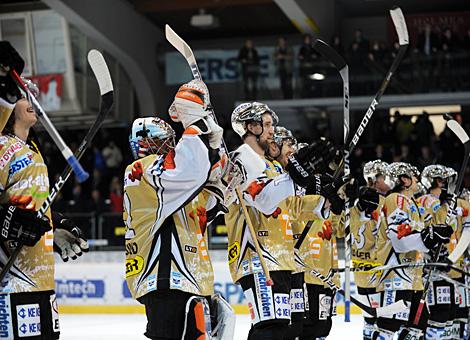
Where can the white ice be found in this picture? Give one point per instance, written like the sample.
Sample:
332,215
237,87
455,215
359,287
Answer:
132,327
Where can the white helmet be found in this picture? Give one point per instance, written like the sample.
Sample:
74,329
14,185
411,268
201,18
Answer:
146,135
396,170
281,134
373,169
432,172
247,112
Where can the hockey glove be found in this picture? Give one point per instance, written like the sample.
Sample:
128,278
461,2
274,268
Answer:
313,159
446,197
368,200
9,59
436,234
329,190
22,225
351,190
69,242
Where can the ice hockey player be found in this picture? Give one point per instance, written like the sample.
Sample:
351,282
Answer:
168,268
28,287
364,223
441,294
403,237
269,305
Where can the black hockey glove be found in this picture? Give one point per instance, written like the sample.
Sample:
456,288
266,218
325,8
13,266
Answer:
436,234
9,59
325,185
351,190
368,200
22,225
313,159
69,242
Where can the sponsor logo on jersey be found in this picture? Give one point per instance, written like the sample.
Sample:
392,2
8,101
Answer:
41,181
131,248
190,249
136,172
152,282
21,163
265,299
176,280
263,233
8,154
134,265
233,252
6,321
77,289
29,322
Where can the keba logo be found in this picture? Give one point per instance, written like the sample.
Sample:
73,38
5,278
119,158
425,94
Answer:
190,249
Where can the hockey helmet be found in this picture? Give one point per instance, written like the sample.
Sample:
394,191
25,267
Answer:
431,172
151,135
373,169
398,169
282,134
248,112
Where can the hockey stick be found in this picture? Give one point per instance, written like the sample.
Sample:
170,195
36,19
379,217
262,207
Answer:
343,69
100,69
464,240
81,174
385,311
462,135
182,47
402,32
444,277
365,269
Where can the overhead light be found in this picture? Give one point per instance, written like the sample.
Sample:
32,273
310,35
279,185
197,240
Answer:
317,76
204,20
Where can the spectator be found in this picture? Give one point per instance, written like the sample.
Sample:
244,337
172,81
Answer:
424,158
115,195
307,57
337,44
424,129
404,128
449,42
283,60
113,157
428,41
249,60
362,43
98,162
97,204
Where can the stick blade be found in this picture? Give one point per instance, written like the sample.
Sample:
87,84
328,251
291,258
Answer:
400,25
458,130
462,245
101,71
329,53
178,43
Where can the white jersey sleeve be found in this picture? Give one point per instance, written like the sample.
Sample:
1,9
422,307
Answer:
274,191
405,243
180,182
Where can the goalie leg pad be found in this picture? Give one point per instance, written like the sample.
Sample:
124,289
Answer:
223,317
318,318
410,333
197,323
383,334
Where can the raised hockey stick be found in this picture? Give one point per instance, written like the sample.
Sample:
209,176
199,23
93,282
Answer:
442,276
81,174
182,47
463,137
402,32
329,53
464,240
386,311
100,69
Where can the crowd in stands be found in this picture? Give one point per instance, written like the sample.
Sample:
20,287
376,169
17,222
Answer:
436,61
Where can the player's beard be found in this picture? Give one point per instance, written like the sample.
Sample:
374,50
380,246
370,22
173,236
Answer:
264,144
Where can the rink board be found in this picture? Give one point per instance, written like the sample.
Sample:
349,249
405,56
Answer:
100,287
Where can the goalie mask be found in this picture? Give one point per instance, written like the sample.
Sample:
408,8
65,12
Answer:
151,135
431,173
250,112
374,169
396,170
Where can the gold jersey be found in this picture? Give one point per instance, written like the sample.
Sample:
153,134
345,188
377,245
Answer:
322,244
437,214
363,243
273,204
165,213
402,221
24,182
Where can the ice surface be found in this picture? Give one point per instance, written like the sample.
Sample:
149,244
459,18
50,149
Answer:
132,327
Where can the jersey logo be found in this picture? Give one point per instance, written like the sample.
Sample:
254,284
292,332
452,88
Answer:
134,266
136,172
21,163
255,188
169,162
326,232
12,149
403,230
233,252
199,215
